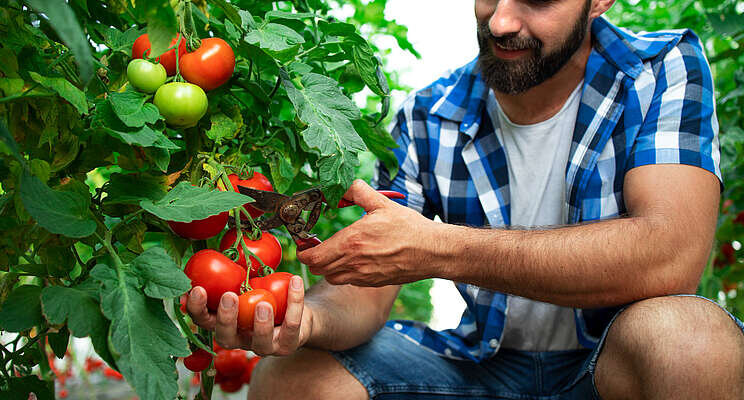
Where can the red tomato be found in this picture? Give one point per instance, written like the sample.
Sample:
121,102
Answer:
200,229
168,59
198,361
63,393
278,284
216,273
231,385
267,248
257,181
247,306
246,377
112,373
209,66
231,363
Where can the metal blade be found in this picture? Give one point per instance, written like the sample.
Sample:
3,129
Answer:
264,200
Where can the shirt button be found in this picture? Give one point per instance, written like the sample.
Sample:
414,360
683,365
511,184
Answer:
398,326
448,352
493,343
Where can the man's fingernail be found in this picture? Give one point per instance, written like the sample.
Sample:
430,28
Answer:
262,314
196,294
296,283
227,302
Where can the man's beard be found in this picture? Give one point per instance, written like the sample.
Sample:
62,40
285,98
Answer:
517,76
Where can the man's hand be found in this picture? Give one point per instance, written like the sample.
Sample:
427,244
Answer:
391,244
265,339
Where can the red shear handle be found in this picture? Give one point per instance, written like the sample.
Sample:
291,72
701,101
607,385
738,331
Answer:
304,244
390,194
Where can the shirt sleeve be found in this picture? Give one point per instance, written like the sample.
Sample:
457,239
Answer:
681,126
408,179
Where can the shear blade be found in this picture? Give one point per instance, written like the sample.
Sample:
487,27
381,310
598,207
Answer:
263,200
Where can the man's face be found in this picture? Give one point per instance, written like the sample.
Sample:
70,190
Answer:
525,42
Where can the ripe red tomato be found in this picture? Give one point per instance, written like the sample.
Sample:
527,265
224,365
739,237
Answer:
200,229
231,385
278,284
231,363
246,377
216,273
168,59
247,306
257,181
209,66
267,248
198,361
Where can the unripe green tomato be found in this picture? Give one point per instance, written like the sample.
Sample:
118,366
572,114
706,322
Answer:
181,104
146,76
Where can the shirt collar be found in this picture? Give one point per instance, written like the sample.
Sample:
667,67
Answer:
465,92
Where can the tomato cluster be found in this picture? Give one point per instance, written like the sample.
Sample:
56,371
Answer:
234,369
182,104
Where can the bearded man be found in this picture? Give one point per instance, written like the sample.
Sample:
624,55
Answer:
591,154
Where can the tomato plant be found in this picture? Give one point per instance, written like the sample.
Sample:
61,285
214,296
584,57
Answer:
216,273
209,66
141,48
278,285
256,181
146,76
247,303
267,248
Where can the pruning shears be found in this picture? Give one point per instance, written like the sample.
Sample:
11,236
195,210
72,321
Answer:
287,211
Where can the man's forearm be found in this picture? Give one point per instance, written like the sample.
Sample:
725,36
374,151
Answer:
605,263
347,316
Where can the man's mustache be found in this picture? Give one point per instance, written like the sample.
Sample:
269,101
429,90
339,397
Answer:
509,42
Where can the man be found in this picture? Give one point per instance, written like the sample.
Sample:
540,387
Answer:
603,144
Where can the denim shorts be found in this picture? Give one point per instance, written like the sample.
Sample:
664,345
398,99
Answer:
391,366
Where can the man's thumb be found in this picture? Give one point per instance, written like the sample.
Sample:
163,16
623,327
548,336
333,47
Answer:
363,195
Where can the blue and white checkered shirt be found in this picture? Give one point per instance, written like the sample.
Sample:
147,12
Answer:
647,99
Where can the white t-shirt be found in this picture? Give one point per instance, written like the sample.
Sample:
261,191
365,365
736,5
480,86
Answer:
537,155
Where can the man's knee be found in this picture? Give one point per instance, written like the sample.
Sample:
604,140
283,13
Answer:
307,374
671,340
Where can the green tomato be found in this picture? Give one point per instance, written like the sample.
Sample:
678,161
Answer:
146,76
181,104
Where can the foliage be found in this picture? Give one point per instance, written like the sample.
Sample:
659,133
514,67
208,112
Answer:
720,26
91,172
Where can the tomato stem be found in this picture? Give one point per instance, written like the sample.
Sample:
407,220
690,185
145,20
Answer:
187,330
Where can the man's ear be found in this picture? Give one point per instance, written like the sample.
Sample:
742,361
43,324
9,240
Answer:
599,7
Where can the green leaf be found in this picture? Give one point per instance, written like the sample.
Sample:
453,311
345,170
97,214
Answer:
186,203
131,234
274,37
336,175
11,86
9,144
65,89
230,11
118,41
336,28
380,143
132,110
22,309
161,157
106,120
223,127
61,212
369,68
246,19
133,188
162,25
328,113
276,14
58,341
142,334
19,388
78,306
727,24
65,23
162,276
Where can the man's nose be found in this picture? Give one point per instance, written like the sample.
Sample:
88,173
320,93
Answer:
506,18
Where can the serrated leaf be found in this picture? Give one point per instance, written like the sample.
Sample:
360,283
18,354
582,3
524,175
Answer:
186,203
336,175
65,23
223,127
246,20
141,333
119,41
274,37
162,25
106,120
78,306
336,28
132,110
64,89
61,212
22,309
162,276
328,113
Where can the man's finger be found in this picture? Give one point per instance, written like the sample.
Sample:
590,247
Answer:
196,305
324,253
226,329
363,195
263,329
289,335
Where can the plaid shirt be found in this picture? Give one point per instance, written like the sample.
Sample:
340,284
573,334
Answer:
647,99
